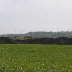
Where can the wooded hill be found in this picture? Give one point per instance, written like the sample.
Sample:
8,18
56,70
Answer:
37,38
39,35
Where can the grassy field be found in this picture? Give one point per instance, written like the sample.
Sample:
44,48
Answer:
35,58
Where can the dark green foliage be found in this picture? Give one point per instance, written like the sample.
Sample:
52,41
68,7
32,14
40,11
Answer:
7,40
60,40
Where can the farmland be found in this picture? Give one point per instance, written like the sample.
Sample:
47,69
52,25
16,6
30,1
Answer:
35,58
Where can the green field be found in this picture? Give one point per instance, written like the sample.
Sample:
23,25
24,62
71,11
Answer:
35,58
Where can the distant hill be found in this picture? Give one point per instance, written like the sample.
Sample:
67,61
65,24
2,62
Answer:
39,35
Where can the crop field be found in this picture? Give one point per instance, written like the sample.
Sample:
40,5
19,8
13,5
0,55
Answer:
35,58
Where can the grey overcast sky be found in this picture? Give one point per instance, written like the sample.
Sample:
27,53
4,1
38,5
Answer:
21,16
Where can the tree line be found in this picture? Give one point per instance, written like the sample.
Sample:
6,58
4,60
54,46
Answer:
60,40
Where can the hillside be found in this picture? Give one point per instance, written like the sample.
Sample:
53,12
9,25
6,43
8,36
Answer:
39,35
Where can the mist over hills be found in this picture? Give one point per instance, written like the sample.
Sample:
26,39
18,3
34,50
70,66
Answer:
39,35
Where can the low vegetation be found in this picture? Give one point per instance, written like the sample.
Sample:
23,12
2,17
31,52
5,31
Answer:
35,58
